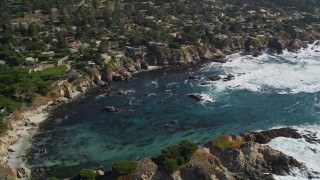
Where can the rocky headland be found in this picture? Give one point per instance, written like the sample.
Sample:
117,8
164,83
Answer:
230,157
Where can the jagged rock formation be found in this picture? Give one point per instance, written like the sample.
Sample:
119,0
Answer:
245,159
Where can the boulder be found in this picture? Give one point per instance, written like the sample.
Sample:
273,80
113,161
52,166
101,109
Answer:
215,78
23,172
275,43
229,77
205,83
196,96
99,173
257,54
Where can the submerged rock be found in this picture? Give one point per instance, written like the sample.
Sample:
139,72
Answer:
121,92
193,77
229,77
205,83
196,96
110,109
215,78
111,94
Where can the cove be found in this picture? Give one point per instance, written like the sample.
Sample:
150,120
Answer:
157,112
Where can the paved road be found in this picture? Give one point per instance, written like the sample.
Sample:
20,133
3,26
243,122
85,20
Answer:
60,61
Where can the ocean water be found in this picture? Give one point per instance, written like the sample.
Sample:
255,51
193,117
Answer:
268,91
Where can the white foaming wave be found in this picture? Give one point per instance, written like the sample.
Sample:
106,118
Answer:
172,84
207,98
305,152
284,74
100,96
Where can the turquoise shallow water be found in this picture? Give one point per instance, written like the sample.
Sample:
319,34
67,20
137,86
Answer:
79,134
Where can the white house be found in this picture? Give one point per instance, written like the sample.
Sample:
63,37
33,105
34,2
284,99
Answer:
31,59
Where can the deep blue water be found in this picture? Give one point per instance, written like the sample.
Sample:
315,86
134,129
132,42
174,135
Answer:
157,112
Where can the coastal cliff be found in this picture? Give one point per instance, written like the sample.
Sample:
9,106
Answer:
229,157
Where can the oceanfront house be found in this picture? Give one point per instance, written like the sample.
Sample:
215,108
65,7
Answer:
20,49
31,59
49,53
91,64
35,68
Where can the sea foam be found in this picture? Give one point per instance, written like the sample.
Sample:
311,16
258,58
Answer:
283,74
302,150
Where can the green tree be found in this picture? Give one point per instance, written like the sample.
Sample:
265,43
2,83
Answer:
124,167
87,174
171,164
104,47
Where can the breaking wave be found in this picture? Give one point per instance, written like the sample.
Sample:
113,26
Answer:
283,74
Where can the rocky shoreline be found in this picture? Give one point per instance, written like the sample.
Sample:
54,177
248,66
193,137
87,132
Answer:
19,122
246,156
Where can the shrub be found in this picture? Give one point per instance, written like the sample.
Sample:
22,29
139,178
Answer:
52,178
174,156
224,142
171,152
170,164
87,174
3,126
187,149
200,154
124,167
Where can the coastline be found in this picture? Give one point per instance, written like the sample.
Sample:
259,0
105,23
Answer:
16,141
25,133
24,124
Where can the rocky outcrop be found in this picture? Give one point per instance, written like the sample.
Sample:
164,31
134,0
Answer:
255,44
254,160
282,43
185,55
296,44
196,96
277,44
263,137
167,56
23,173
236,157
110,109
215,78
